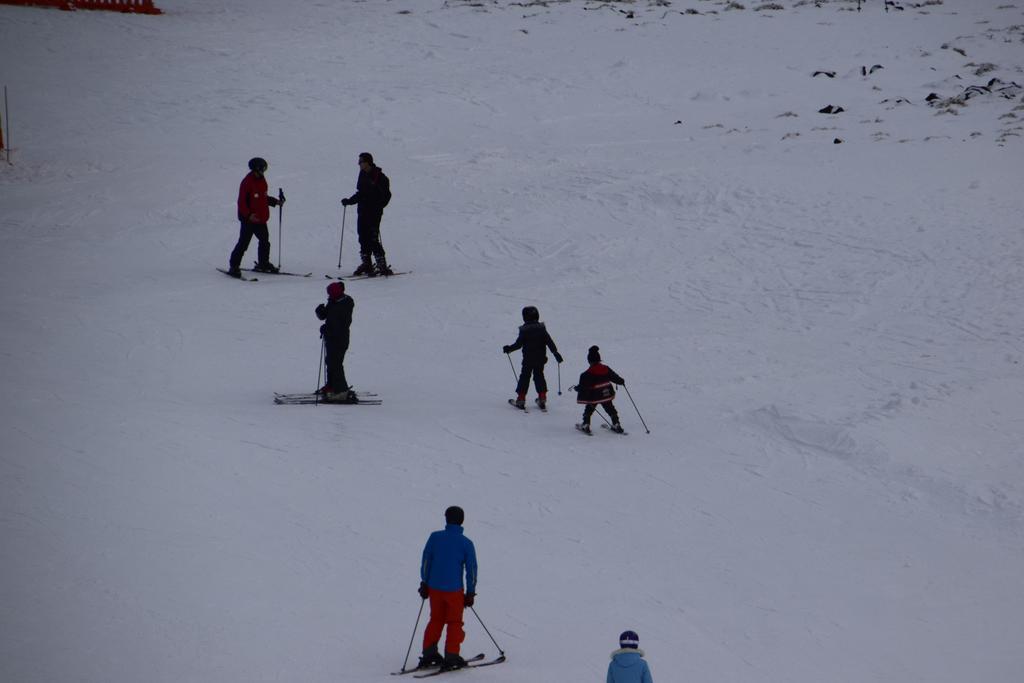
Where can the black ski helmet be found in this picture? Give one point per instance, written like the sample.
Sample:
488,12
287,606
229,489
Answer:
258,164
530,314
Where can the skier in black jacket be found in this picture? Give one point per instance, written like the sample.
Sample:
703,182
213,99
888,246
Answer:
337,314
373,192
595,389
533,340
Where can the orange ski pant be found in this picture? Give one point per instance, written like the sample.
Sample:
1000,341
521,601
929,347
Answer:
445,610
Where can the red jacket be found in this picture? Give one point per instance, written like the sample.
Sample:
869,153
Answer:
252,199
595,385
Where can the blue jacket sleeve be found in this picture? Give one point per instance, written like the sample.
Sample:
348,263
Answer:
647,674
608,678
470,567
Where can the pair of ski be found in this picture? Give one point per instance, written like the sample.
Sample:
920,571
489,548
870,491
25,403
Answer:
605,426
512,402
365,399
349,278
429,672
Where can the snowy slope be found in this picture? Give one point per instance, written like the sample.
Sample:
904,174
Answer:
825,339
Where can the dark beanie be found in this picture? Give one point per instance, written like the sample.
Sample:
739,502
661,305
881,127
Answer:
454,515
594,355
366,156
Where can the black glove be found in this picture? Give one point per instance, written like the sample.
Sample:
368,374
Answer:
468,600
280,199
271,200
424,591
506,349
558,357
321,312
346,201
621,383
323,328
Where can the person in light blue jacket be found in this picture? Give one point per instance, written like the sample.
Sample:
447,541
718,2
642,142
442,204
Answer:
628,664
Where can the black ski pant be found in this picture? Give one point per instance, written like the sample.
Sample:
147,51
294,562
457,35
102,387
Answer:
536,370
608,408
368,226
334,353
245,235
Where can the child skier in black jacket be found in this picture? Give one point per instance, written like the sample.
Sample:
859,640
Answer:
337,314
595,389
533,339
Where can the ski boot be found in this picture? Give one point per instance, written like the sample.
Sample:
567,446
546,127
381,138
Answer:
430,658
383,268
617,428
452,661
235,273
365,268
520,403
265,268
541,403
585,428
347,396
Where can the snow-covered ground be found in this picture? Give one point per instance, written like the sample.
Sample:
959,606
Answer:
824,338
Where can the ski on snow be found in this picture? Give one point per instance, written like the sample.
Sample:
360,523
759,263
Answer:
310,399
280,272
240,277
623,432
349,278
580,428
403,672
492,662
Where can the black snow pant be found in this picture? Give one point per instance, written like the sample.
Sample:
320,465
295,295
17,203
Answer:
608,408
536,369
368,225
334,353
245,235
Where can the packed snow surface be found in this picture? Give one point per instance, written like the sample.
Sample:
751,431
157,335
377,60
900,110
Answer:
818,316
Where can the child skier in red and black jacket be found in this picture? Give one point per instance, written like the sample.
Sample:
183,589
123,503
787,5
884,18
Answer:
595,389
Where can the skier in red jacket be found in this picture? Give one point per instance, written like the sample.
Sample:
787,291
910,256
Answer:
253,213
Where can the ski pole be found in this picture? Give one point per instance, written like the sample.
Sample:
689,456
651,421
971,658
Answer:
319,369
559,379
500,651
280,209
344,212
636,409
601,415
7,120
512,366
414,629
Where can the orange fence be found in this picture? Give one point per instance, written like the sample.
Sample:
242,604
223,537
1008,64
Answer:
133,6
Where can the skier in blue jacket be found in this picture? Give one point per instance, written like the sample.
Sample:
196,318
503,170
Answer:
628,664
447,554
